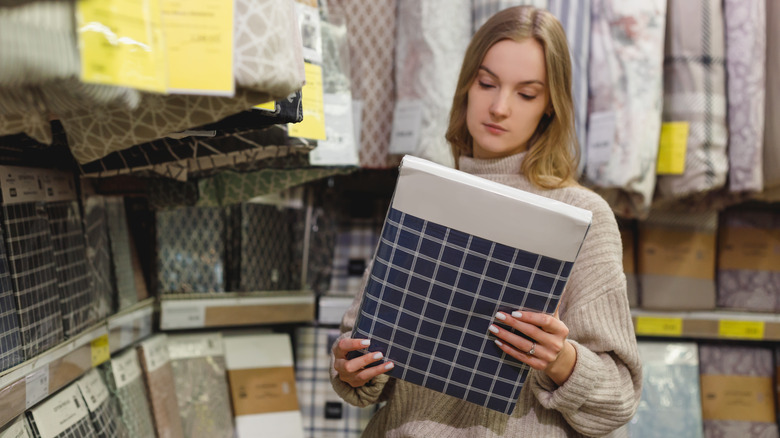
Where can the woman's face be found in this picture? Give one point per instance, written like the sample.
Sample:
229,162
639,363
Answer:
508,98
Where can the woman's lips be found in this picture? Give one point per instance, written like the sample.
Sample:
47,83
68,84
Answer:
494,129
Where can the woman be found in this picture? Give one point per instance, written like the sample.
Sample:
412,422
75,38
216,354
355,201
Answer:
512,122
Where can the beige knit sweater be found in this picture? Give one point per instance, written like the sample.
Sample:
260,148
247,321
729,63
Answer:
604,388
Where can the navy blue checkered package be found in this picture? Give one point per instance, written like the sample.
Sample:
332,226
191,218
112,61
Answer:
455,249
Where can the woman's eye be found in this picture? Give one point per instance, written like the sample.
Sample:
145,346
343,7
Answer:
485,85
527,96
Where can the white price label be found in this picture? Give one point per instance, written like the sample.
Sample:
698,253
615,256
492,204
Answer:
37,386
601,137
93,389
155,352
175,316
125,368
407,123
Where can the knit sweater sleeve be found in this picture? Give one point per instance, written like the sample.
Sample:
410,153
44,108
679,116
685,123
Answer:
373,391
604,388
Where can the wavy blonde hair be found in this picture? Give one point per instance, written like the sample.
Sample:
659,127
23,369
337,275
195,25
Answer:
553,152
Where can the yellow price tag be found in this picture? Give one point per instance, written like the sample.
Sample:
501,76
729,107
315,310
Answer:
651,326
100,351
741,329
268,106
672,148
121,43
313,124
199,46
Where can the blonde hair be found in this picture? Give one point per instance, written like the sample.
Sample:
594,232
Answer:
553,153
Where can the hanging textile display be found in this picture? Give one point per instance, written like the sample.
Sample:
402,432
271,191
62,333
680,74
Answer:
771,127
484,9
746,85
574,16
371,35
190,250
21,111
431,38
158,375
103,409
695,93
624,120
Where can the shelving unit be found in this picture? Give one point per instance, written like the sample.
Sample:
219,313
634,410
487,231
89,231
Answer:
233,309
28,383
721,324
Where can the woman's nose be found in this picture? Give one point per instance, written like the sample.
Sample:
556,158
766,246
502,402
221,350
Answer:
500,106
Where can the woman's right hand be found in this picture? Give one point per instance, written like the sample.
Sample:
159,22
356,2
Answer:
356,372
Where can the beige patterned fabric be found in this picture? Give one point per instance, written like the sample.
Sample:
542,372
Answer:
267,47
94,132
371,35
22,112
772,128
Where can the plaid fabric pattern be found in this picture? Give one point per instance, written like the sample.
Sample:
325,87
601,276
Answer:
70,257
260,248
356,242
33,272
325,414
99,256
10,338
133,402
190,250
203,396
119,237
432,293
695,92
106,420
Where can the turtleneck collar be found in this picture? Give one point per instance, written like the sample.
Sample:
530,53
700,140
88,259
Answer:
493,166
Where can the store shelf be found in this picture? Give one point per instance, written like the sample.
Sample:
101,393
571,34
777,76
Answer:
743,326
28,383
181,312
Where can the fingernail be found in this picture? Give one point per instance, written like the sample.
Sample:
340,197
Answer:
389,365
493,328
500,316
378,356
517,314
365,342
498,342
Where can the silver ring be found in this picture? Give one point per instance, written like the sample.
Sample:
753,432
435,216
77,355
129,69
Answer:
533,348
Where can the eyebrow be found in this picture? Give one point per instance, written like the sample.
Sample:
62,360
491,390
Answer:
528,82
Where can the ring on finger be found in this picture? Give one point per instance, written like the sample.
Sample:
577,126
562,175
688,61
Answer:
533,349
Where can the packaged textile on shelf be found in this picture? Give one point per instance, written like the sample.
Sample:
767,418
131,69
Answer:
676,260
325,414
103,409
17,428
70,252
63,415
11,350
190,250
99,255
671,397
31,259
737,391
259,248
126,385
121,251
749,260
262,385
158,375
200,378
437,261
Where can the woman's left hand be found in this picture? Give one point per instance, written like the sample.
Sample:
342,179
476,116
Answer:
551,352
